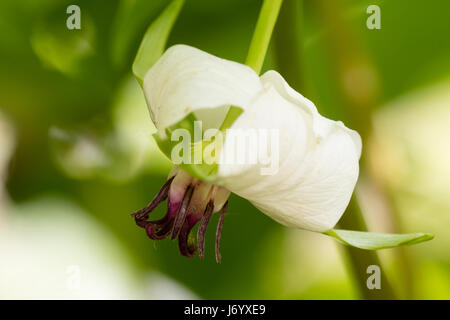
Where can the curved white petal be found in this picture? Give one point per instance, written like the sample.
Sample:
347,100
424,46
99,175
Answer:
186,79
321,125
318,160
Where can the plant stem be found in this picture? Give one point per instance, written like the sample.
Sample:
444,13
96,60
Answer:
262,34
258,48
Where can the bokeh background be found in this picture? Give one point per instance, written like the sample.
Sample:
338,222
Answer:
77,156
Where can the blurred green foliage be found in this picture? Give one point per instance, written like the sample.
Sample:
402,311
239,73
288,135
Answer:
69,89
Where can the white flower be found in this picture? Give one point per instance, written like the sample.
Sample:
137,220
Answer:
318,157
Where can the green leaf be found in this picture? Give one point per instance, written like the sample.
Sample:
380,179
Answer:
376,241
131,21
155,39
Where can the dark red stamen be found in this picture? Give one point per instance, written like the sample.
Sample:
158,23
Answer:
219,231
201,233
182,212
180,219
160,197
186,241
160,229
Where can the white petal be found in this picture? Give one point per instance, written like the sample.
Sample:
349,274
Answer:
318,160
322,126
186,79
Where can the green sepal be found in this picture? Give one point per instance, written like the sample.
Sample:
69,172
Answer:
376,241
203,171
155,39
232,115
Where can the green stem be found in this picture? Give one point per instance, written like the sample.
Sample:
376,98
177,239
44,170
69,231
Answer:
263,32
258,48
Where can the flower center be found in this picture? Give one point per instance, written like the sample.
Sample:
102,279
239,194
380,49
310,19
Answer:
189,201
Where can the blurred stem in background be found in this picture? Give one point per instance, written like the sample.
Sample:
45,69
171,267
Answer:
287,43
359,259
359,89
